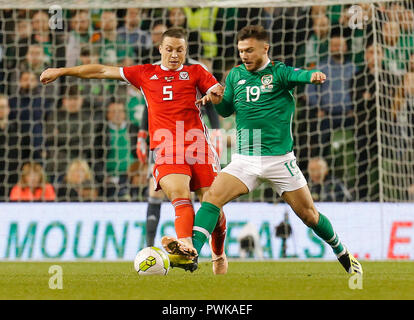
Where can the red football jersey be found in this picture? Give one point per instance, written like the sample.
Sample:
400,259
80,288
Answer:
170,97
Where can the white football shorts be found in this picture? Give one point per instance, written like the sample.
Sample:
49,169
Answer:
281,171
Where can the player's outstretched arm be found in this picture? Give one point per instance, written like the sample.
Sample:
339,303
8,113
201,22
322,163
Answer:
87,71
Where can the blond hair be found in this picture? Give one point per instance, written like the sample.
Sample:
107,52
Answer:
32,167
76,165
320,160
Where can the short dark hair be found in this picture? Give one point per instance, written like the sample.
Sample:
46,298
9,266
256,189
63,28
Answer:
85,51
175,32
72,91
256,32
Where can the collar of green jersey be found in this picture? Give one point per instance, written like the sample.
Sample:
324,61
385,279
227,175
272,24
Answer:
262,67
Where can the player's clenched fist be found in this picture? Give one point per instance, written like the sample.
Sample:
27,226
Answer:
218,90
50,75
214,95
318,77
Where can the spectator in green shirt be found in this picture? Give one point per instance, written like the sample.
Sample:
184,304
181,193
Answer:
78,37
396,49
111,50
316,47
120,151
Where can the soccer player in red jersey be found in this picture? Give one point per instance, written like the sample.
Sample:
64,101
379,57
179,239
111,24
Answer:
185,160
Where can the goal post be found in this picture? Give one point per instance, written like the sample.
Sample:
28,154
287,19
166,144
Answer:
357,128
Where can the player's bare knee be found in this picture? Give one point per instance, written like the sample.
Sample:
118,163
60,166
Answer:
177,192
213,197
156,194
309,216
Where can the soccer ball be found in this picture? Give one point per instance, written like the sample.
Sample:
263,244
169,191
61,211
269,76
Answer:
152,261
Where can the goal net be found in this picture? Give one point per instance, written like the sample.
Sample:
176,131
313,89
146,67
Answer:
353,134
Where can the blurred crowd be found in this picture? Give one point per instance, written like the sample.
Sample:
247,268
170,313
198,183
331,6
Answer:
75,139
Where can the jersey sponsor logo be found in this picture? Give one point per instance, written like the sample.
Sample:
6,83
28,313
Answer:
184,75
169,78
154,77
267,80
242,81
266,88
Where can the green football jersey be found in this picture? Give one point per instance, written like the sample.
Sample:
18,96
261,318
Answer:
264,105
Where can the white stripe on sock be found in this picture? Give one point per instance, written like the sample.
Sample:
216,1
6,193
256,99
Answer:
202,230
340,254
181,202
336,245
332,239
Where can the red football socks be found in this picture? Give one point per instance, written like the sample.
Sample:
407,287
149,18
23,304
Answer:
219,235
184,217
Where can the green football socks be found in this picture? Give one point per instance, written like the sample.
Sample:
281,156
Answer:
207,216
204,223
325,231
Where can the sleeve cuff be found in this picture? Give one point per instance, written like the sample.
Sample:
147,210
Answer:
212,87
121,72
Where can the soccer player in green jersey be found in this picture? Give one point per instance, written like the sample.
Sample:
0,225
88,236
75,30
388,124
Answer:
260,93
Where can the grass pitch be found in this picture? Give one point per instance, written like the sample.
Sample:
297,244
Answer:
244,281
